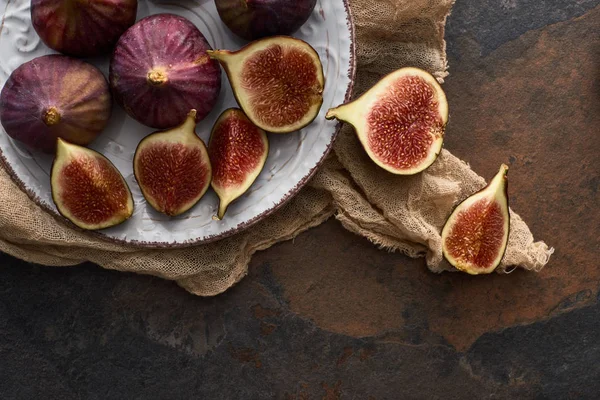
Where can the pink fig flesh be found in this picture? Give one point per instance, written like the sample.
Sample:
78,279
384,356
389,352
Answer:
277,81
160,70
88,189
475,235
55,96
400,121
238,150
256,19
172,168
82,28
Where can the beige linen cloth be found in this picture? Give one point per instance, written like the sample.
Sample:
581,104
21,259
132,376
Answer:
394,212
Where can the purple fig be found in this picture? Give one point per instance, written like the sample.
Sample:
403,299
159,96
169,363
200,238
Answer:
255,19
160,71
82,28
55,96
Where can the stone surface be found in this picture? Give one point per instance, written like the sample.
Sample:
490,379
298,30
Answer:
328,315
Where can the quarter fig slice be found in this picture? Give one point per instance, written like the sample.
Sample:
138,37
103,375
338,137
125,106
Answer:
277,81
238,150
400,121
88,189
475,235
172,168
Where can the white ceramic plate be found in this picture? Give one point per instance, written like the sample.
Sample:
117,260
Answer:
292,160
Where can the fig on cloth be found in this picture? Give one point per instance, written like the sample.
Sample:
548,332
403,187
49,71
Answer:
172,168
160,71
238,150
88,189
400,121
277,81
475,235
55,96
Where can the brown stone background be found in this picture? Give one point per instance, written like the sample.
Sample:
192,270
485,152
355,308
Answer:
328,315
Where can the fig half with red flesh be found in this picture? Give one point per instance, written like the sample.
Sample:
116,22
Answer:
277,81
400,121
160,71
88,189
238,150
82,28
55,96
475,235
172,168
255,19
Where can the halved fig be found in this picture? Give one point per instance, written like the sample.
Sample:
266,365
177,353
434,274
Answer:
277,81
238,150
159,71
88,189
475,236
400,121
172,168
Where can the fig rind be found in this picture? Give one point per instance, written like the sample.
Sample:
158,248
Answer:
172,168
400,121
278,82
238,150
82,28
55,96
159,71
475,236
88,189
255,19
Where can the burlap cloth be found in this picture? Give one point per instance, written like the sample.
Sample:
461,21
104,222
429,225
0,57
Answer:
394,212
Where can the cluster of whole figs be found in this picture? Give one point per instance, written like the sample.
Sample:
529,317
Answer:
164,74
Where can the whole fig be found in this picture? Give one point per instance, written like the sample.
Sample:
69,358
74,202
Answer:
255,19
82,28
160,71
55,96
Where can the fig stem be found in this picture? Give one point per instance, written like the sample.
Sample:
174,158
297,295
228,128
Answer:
51,116
157,77
217,54
331,113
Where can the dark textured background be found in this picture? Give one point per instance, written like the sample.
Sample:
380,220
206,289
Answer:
328,315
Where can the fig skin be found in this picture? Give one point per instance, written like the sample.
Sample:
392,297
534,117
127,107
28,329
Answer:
159,71
88,189
278,82
256,19
82,28
172,168
55,96
475,236
238,150
400,121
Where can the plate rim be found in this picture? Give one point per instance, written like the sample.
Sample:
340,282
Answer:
230,232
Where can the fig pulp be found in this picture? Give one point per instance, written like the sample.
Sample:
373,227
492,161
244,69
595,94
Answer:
255,19
400,121
475,236
277,81
88,189
82,28
160,70
55,96
172,168
238,150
